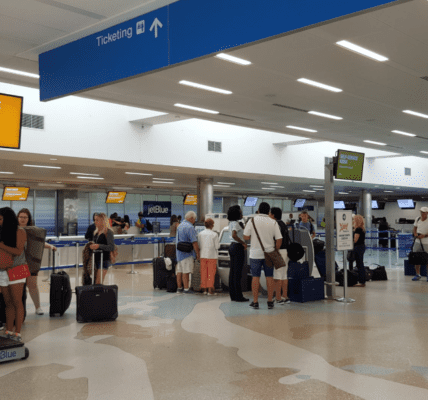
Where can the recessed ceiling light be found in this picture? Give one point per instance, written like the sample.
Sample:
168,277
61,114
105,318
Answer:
319,85
404,133
279,187
8,173
204,87
163,179
54,159
324,115
343,192
16,72
415,113
378,143
88,177
388,191
233,59
225,183
310,191
122,188
361,50
425,152
222,186
137,173
41,166
318,189
162,182
316,186
51,185
300,129
81,173
269,183
269,188
196,108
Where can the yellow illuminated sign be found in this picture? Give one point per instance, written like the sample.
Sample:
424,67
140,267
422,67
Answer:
10,121
191,200
12,193
116,197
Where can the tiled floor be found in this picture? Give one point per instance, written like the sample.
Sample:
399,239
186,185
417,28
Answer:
176,346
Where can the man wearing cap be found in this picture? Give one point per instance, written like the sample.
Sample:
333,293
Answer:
420,232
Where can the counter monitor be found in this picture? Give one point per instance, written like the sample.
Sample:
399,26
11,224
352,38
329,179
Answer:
339,205
251,201
408,204
299,203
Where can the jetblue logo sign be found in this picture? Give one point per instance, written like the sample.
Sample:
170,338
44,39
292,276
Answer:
4,355
157,209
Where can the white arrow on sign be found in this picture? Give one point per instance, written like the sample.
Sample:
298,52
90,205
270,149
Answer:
156,24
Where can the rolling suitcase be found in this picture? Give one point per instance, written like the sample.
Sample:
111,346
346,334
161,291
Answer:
97,302
60,293
160,273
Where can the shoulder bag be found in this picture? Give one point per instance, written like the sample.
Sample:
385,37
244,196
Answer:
295,250
18,272
185,247
418,257
272,258
350,256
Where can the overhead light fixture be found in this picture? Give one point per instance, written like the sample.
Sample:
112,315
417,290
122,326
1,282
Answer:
88,177
122,188
300,129
169,183
196,108
233,59
41,166
404,133
54,159
81,173
319,85
7,173
16,72
310,191
324,115
343,193
137,173
361,50
55,185
225,183
388,191
318,189
378,143
278,187
204,87
163,179
320,186
415,113
269,183
269,188
222,186
425,152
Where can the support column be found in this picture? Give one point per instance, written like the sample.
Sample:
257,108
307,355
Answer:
329,228
67,212
205,191
367,208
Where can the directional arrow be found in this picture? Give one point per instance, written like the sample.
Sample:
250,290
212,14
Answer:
156,24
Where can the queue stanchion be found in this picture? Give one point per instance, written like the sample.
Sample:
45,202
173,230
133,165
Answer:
132,272
345,299
77,264
49,263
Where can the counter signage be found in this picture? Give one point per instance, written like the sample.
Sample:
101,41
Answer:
156,209
115,197
344,230
176,33
10,121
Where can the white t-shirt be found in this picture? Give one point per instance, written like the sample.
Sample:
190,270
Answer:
234,226
269,232
208,244
422,228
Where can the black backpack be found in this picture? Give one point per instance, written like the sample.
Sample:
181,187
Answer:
149,226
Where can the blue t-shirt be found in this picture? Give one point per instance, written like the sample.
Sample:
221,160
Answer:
186,233
307,225
143,221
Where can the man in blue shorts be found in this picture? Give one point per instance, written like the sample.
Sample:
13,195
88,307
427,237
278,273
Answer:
271,237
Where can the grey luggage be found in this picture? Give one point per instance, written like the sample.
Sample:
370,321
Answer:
96,302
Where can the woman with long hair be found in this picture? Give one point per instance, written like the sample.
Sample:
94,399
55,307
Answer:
359,248
103,240
25,219
12,241
237,253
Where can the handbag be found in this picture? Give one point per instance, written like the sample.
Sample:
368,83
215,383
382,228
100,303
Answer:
6,259
418,257
272,258
350,256
185,247
19,272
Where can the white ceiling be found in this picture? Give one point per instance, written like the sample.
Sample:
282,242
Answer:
371,104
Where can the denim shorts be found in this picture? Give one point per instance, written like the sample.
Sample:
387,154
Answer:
4,278
256,268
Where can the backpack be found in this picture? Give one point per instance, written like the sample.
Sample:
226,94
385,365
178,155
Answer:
149,226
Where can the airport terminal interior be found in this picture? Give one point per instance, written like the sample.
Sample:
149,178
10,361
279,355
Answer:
165,107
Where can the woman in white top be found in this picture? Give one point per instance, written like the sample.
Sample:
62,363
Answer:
208,246
237,253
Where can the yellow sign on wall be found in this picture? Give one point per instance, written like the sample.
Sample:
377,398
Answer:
12,193
10,121
191,200
116,197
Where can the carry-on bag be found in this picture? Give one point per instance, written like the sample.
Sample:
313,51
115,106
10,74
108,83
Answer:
418,257
60,293
409,269
379,273
160,273
97,302
308,289
352,277
35,247
170,251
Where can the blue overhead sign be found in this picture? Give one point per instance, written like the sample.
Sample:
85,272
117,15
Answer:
182,31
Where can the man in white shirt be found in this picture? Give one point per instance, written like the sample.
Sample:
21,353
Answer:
209,244
270,235
420,232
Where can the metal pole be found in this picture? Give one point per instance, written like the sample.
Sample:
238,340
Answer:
132,265
329,229
345,299
77,264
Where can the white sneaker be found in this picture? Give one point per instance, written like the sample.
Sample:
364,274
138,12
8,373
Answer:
39,311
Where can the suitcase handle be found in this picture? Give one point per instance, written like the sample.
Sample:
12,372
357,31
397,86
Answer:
93,264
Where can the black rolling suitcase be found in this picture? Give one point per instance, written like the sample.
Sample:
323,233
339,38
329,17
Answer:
96,302
160,273
60,294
